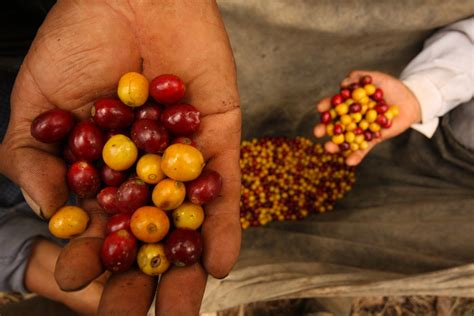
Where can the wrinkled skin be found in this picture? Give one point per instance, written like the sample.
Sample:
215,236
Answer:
78,56
395,93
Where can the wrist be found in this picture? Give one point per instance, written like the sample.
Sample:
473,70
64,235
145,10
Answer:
429,103
414,106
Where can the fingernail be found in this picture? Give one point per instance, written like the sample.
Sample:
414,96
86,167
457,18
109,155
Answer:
344,82
32,204
352,162
41,214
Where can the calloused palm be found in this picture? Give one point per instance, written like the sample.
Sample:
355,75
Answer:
78,55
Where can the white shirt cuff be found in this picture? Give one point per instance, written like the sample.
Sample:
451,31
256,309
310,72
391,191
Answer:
430,100
428,129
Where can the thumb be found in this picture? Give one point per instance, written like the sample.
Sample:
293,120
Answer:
41,177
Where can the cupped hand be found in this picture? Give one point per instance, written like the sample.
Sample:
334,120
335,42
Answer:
78,56
395,93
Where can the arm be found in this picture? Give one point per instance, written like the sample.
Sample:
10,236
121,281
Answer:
442,75
438,79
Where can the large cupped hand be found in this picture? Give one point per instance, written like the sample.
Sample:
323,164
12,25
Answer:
78,56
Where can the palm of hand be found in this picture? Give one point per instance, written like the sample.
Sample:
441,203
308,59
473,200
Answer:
395,93
77,57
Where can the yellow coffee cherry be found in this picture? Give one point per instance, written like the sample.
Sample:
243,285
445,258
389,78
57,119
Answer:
374,127
342,109
182,162
168,194
149,224
356,117
189,216
369,89
338,139
333,113
351,127
371,116
119,152
133,89
149,169
330,129
388,115
364,108
372,104
152,260
346,119
364,100
364,124
359,139
354,146
349,137
358,94
68,222
395,110
349,101
363,145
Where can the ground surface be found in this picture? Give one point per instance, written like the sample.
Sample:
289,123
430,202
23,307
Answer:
364,306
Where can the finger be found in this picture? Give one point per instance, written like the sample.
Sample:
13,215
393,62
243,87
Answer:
98,218
79,262
319,130
29,167
218,133
357,74
346,82
180,291
356,157
354,77
219,139
127,293
221,230
331,148
324,105
32,204
210,77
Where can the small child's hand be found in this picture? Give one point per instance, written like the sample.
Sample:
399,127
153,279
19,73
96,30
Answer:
395,93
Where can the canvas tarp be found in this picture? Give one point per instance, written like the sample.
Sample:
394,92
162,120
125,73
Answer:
406,227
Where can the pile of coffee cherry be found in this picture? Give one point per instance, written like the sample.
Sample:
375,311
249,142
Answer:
289,179
357,115
136,156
